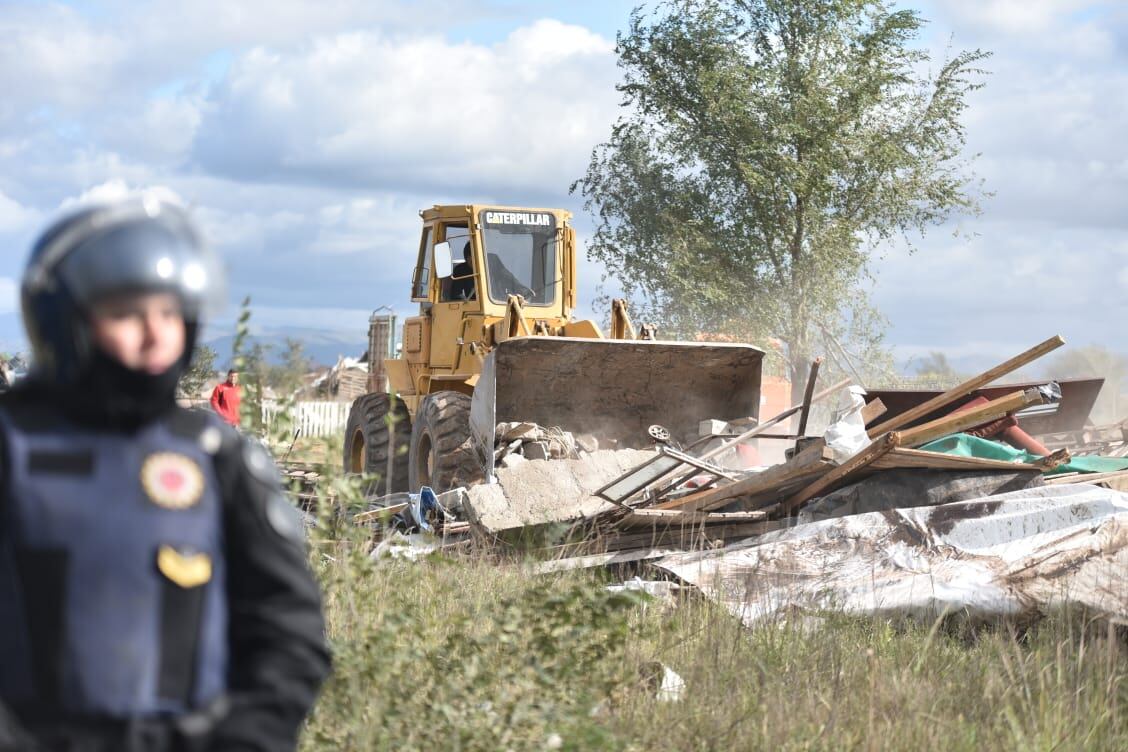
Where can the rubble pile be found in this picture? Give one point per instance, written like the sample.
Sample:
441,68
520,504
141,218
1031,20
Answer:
904,494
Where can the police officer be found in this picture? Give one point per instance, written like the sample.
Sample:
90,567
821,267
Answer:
154,586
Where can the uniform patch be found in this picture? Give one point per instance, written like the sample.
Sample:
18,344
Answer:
172,480
188,570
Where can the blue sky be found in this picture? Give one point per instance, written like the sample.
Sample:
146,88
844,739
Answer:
308,135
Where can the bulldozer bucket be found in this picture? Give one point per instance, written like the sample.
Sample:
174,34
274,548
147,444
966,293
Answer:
613,389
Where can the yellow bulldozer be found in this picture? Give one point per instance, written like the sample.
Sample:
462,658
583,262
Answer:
495,341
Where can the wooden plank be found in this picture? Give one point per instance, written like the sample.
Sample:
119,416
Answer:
856,464
900,457
964,419
805,408
675,517
374,515
968,386
753,432
812,460
872,411
1117,480
1053,460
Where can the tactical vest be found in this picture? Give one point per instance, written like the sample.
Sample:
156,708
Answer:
112,599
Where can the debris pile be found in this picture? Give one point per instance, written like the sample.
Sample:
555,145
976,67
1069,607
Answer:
949,488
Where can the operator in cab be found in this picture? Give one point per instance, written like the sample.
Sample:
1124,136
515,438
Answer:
155,592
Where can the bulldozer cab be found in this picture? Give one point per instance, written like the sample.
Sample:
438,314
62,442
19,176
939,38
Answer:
486,254
472,260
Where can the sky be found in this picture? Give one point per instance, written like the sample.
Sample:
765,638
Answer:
307,136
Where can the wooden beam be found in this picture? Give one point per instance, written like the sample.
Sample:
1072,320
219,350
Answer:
752,432
964,419
873,410
968,386
373,515
811,461
900,457
805,408
1053,460
852,466
675,517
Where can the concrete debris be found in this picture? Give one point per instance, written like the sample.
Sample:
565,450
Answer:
537,492
878,515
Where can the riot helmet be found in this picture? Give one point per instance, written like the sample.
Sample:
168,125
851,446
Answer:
134,246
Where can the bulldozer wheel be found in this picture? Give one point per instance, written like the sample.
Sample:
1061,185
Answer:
441,454
367,440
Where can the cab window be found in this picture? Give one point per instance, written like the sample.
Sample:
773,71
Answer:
422,268
460,285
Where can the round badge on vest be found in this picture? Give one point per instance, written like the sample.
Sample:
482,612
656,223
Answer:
171,480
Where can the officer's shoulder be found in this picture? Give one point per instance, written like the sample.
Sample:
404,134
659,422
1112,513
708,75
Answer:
204,428
231,448
31,407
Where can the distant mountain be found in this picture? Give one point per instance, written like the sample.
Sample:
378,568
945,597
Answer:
322,347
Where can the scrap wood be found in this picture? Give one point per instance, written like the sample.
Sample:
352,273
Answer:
967,387
805,409
675,517
812,460
1053,460
873,410
1118,481
842,473
377,515
902,457
755,431
958,421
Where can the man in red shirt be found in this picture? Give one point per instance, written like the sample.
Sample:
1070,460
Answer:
225,398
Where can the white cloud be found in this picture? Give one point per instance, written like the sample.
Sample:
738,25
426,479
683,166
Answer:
364,108
15,217
118,190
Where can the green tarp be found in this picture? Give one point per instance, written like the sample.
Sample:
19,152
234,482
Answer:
963,445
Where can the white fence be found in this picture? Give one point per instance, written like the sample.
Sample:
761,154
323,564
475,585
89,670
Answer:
313,418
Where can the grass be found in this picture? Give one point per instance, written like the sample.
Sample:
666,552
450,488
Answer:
465,653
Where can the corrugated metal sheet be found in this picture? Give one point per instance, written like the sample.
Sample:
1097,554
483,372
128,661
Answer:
1008,555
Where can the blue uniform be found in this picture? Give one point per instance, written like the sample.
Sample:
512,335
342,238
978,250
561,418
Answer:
151,575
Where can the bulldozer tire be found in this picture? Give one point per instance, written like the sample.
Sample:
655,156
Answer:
367,440
441,453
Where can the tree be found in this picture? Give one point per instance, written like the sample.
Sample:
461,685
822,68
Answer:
937,368
200,371
286,376
768,148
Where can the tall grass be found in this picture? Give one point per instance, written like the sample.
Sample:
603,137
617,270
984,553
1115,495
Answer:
466,654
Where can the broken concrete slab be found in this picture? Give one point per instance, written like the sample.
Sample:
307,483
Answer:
536,492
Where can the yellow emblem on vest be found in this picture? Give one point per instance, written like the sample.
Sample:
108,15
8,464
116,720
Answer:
172,480
186,570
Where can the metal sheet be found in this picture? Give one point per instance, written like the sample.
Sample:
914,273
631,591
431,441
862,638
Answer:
1007,555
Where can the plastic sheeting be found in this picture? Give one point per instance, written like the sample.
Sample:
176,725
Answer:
1013,555
964,445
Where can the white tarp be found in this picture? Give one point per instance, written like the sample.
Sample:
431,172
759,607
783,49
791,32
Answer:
1011,554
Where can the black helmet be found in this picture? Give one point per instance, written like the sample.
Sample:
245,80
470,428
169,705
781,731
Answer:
142,245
